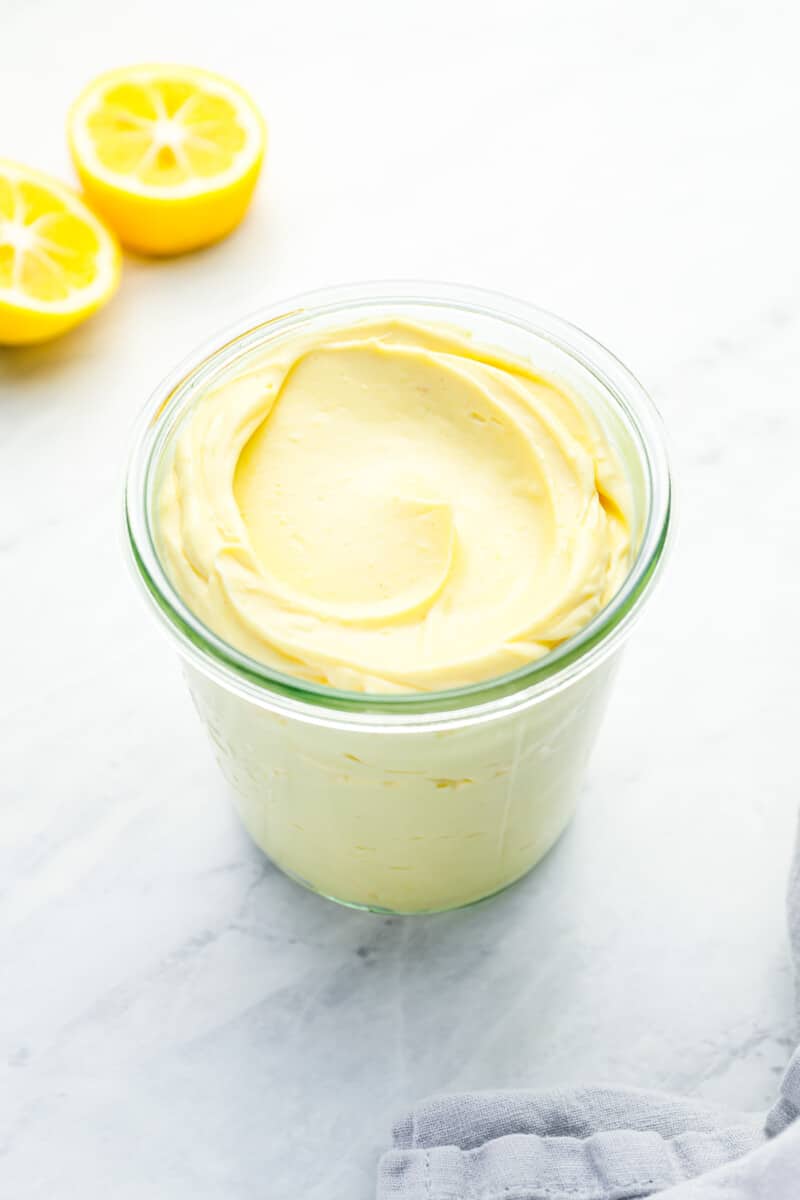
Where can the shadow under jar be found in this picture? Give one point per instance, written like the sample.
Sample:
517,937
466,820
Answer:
408,802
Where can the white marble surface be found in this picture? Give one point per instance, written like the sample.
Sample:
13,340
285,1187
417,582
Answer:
178,1020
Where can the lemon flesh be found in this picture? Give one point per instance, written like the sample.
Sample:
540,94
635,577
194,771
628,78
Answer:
168,155
57,261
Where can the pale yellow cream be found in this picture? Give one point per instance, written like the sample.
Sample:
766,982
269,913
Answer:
389,507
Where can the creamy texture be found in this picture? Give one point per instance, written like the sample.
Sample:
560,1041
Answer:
406,822
390,507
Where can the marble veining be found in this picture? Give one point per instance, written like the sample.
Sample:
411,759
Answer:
176,1018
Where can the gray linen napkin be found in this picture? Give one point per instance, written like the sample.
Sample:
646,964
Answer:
598,1143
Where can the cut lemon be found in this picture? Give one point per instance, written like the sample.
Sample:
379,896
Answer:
57,262
168,155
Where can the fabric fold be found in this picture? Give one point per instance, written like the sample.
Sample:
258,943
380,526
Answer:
787,1107
610,1165
469,1119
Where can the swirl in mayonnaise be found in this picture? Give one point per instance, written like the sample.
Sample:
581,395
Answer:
389,507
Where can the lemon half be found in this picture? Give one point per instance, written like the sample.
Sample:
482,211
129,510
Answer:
168,155
58,263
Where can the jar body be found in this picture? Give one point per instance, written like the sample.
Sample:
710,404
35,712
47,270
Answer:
406,820
408,802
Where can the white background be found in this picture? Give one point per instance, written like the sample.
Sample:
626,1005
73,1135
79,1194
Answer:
176,1019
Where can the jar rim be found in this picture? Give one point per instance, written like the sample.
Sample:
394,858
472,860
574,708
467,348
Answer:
268,687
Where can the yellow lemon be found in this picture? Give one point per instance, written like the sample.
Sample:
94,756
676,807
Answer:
168,155
58,263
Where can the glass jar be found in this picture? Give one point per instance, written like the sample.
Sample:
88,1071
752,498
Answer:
413,802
